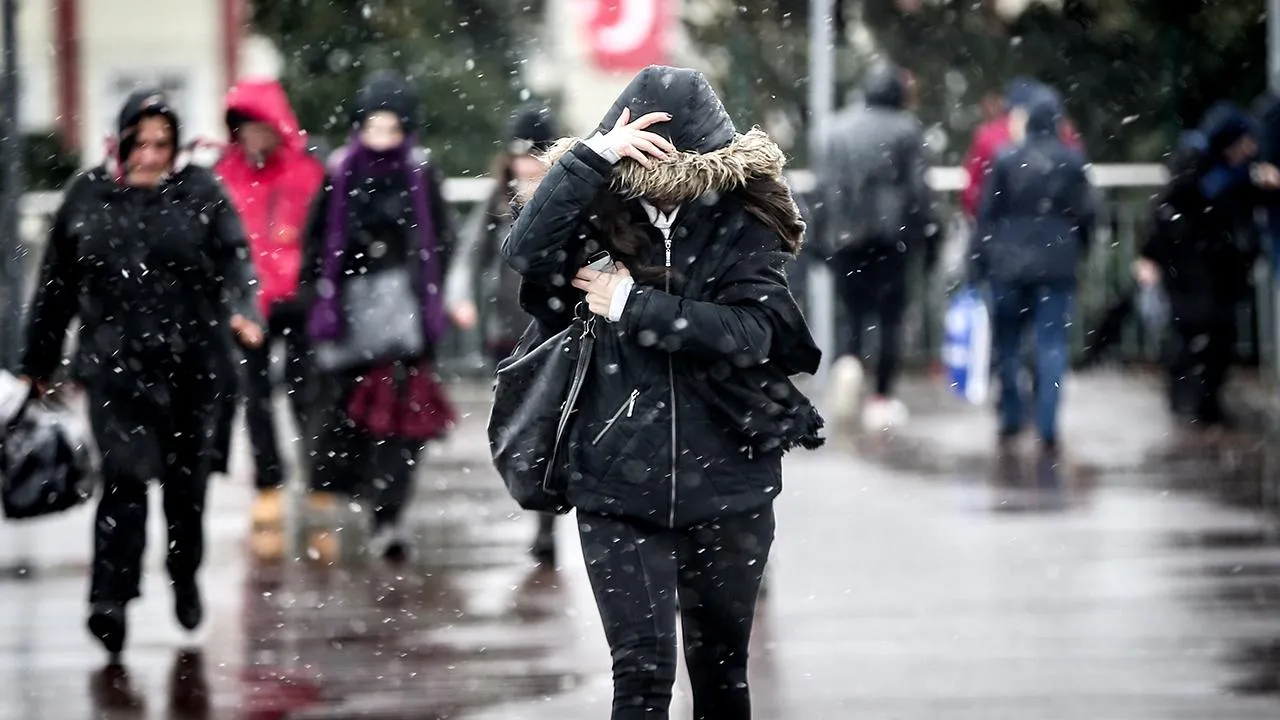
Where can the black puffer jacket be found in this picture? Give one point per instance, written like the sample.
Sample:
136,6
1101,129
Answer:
153,274
688,407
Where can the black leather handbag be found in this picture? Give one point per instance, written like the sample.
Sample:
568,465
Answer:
535,394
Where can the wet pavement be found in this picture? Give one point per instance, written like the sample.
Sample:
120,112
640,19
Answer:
916,575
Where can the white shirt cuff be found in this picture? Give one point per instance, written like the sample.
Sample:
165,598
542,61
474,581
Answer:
621,294
600,146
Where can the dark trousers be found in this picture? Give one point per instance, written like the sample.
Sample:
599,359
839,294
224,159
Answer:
288,328
643,575
1203,349
871,280
140,442
1046,308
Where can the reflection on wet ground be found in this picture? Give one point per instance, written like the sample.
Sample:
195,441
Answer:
917,574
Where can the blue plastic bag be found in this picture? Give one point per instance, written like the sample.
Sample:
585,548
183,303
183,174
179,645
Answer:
966,345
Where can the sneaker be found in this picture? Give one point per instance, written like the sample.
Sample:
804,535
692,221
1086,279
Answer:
846,387
881,414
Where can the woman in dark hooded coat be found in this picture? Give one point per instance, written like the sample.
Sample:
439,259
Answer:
674,455
151,256
380,210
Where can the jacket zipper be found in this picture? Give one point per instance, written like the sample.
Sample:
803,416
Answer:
671,376
628,407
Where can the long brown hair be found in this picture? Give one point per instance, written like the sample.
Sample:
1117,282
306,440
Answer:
768,199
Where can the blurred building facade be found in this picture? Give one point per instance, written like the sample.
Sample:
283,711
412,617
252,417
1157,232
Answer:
79,58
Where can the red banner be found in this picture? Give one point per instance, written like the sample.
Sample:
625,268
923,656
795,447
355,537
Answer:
627,35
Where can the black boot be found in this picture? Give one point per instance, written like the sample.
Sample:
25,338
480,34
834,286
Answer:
107,623
186,604
544,543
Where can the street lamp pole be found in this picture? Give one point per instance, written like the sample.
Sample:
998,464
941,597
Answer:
822,313
11,261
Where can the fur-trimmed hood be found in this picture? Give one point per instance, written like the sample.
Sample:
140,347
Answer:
690,175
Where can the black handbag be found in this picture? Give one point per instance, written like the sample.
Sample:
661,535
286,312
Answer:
47,462
382,322
535,394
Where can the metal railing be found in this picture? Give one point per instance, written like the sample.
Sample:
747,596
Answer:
1125,193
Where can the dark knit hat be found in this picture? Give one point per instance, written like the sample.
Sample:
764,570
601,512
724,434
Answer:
532,129
391,91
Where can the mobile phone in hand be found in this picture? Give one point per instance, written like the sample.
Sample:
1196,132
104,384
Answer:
601,262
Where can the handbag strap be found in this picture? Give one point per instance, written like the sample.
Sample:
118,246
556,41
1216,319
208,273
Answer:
587,343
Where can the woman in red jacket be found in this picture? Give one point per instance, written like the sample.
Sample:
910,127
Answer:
271,180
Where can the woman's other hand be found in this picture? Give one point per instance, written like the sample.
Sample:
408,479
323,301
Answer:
465,314
600,287
247,331
1146,272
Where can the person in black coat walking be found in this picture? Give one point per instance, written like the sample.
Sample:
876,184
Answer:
478,270
1202,244
675,452
877,212
151,256
1034,227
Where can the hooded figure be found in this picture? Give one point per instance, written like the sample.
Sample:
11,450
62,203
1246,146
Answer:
876,211
1202,242
272,180
1033,230
674,452
381,214
150,256
994,136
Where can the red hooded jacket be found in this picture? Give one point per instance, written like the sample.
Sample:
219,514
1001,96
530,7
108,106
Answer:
273,199
988,140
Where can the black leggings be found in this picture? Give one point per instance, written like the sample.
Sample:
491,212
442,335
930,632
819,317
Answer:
871,281
639,571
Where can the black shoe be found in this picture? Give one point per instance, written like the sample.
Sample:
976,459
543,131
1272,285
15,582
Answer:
544,548
186,604
107,623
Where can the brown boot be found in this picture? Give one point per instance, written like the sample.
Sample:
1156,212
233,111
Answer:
322,513
267,539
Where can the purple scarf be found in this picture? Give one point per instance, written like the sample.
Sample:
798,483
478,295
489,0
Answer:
326,320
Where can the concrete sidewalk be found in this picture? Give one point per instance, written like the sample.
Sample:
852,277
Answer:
914,576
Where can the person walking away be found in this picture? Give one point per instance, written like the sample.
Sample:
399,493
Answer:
271,179
1202,246
675,450
995,135
1033,231
478,269
879,209
380,211
150,255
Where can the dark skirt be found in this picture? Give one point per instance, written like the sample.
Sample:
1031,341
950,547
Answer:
401,405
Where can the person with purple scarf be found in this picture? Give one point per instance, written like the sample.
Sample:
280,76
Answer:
380,210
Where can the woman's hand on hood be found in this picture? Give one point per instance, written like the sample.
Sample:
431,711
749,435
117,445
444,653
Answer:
630,139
